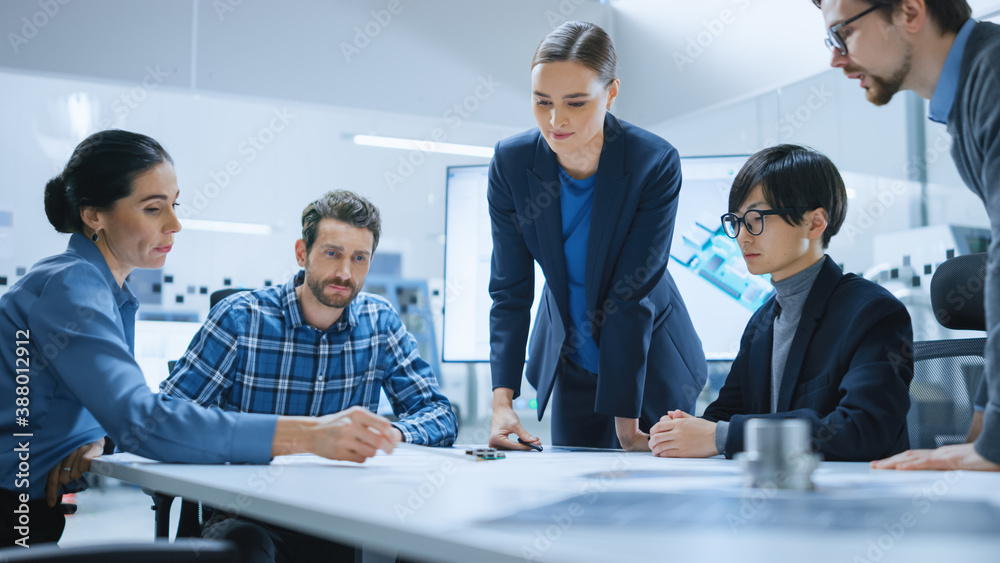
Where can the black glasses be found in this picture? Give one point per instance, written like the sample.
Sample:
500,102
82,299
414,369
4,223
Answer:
753,220
834,41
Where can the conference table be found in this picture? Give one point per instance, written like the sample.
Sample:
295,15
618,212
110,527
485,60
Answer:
578,505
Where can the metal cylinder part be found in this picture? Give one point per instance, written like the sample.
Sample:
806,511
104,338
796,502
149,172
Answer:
778,454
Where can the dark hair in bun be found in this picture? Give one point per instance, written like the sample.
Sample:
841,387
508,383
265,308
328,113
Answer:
99,173
580,42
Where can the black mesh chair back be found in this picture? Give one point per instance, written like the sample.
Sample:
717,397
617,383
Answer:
946,377
947,374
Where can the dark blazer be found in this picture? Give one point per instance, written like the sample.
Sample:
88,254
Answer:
848,370
651,359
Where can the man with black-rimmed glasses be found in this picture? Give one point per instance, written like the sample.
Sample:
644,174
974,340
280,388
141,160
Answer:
830,348
936,49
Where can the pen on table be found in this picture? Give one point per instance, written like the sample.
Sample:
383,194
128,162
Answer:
531,445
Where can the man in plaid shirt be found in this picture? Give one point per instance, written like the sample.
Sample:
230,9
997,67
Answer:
314,346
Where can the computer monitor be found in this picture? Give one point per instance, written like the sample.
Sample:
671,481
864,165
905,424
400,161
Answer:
709,270
468,251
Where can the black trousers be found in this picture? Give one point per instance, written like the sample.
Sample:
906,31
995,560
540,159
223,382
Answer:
45,524
574,422
260,542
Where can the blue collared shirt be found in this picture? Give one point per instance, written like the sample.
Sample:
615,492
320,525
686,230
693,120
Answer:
947,84
255,353
83,382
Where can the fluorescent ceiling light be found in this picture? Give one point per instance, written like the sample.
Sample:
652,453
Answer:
425,146
226,227
81,115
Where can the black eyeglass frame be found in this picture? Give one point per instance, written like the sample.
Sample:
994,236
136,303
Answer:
737,220
833,39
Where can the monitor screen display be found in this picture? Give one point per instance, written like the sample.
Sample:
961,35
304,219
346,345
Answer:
709,270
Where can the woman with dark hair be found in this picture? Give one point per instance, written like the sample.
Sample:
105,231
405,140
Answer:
592,199
69,373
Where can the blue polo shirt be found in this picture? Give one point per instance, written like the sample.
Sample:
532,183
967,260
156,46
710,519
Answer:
577,203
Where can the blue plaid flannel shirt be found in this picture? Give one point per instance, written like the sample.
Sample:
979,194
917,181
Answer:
255,353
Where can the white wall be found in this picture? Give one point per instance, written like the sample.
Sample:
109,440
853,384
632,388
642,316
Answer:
867,143
205,133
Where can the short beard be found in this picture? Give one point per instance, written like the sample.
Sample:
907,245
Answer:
882,90
337,301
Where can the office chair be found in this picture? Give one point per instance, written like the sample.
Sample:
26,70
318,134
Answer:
181,551
947,373
191,517
221,294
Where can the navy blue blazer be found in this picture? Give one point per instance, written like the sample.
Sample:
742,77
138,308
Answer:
848,370
650,358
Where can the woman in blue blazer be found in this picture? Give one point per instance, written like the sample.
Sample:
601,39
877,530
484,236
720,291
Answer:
592,199
68,374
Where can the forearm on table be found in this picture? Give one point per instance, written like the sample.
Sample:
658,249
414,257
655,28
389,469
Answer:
293,435
434,425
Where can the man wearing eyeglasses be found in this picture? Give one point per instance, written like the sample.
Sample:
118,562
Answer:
935,48
829,347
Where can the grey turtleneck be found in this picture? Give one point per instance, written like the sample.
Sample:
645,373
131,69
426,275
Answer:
790,294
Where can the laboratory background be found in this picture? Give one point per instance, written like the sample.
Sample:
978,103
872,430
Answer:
264,106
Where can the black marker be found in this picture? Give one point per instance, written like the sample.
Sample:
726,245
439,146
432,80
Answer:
531,445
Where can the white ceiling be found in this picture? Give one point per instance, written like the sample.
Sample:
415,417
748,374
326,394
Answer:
428,56
681,56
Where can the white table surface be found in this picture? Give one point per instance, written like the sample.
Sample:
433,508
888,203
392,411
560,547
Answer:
443,508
